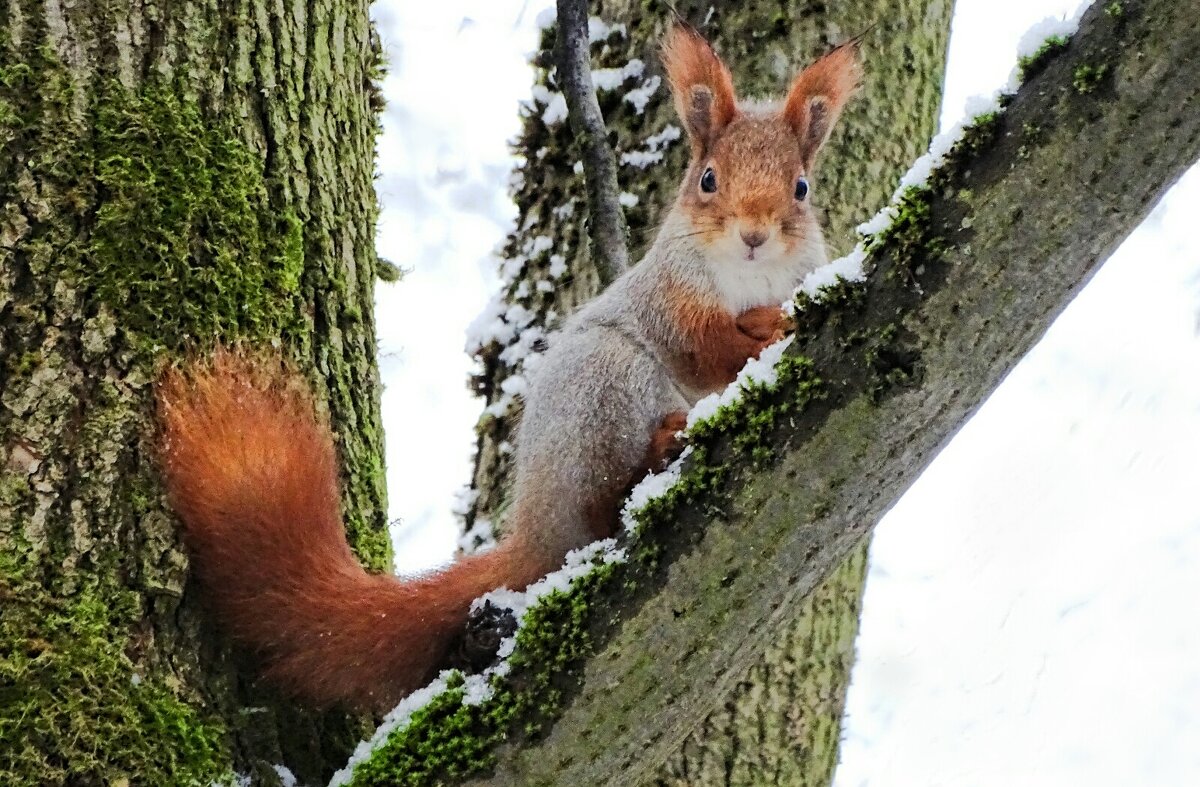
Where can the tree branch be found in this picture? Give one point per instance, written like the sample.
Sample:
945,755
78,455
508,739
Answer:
608,232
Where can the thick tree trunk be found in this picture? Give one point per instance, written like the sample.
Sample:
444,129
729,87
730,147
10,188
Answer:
172,174
781,722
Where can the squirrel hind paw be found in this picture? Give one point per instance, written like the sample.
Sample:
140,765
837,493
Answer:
667,443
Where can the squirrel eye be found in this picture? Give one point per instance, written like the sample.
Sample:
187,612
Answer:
708,181
801,188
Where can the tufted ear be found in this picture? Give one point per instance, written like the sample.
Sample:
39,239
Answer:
701,85
818,95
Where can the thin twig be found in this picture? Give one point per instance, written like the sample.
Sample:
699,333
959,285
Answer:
608,230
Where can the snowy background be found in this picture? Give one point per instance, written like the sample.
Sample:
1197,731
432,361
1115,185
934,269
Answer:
1030,616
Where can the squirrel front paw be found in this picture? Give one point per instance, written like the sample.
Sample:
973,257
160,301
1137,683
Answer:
666,444
766,324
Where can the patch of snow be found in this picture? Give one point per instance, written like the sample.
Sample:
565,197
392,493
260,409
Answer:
464,500
479,538
640,96
652,486
759,370
599,30
556,110
613,78
653,150
849,268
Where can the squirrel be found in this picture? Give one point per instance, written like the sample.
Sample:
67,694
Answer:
251,469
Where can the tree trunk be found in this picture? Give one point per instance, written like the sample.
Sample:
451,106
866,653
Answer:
781,722
172,175
609,678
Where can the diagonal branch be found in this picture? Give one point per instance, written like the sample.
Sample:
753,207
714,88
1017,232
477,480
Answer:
608,231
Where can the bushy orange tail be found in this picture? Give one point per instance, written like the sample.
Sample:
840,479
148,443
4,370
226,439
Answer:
251,471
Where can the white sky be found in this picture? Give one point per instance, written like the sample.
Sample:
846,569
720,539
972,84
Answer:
1030,614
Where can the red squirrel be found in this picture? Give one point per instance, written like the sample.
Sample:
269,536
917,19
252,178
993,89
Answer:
251,469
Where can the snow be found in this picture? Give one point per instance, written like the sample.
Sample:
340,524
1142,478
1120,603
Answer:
519,350
652,486
539,245
480,537
556,109
849,268
627,200
613,78
558,265
654,146
511,387
759,370
464,499
639,97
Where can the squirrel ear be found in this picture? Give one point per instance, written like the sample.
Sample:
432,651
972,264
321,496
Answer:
700,83
818,95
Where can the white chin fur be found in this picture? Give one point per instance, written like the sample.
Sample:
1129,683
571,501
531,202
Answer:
770,278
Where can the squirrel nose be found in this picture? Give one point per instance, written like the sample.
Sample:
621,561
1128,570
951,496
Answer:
754,239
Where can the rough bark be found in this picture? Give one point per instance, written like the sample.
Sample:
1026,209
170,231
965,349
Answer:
172,174
780,723
967,279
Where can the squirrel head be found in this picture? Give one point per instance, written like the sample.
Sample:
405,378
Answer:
747,188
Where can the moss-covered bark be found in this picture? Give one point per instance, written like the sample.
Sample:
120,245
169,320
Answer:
781,721
171,174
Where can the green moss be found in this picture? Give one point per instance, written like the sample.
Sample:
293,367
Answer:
1114,9
447,739
910,235
976,138
68,713
1087,77
1030,65
22,365
184,243
388,271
